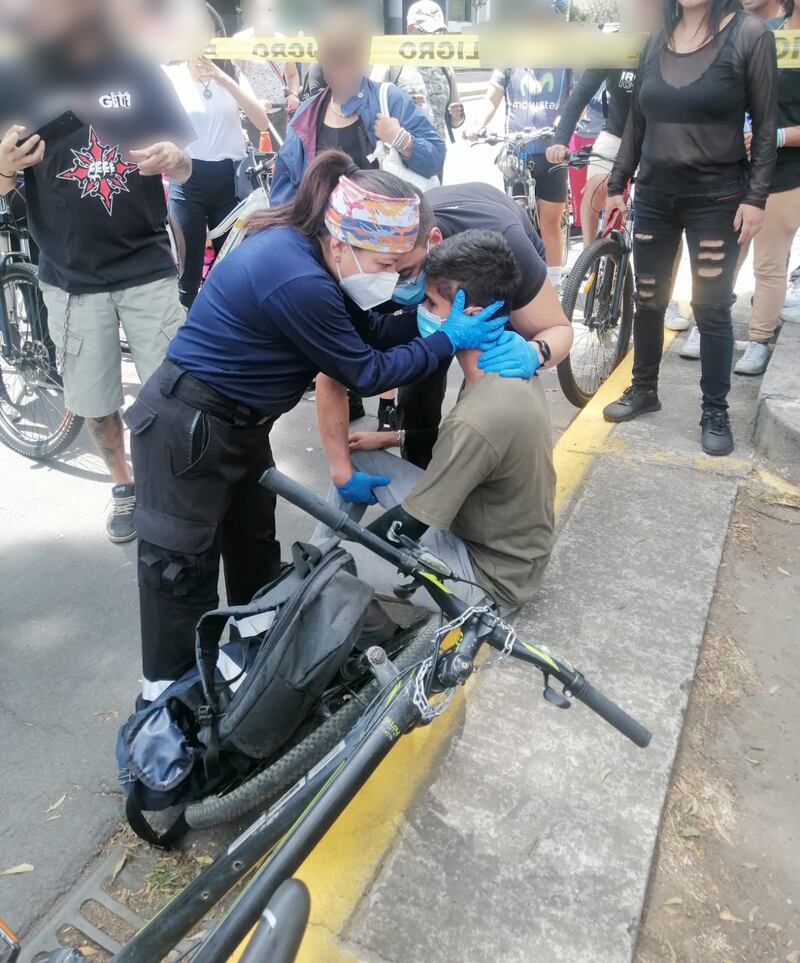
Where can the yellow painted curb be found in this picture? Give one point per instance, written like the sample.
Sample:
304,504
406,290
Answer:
341,867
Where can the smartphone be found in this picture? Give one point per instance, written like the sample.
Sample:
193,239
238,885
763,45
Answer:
63,125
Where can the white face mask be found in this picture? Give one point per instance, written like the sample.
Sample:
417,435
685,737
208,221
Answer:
368,290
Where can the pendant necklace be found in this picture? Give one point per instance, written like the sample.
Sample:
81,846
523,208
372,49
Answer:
207,92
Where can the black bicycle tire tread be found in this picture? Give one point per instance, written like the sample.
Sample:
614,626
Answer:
266,785
75,423
602,247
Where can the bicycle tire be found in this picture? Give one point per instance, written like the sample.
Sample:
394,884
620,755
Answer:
70,426
267,784
602,248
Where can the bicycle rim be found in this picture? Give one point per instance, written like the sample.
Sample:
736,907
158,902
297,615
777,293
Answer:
601,337
28,376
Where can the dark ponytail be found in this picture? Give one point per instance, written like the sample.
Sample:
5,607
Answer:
306,211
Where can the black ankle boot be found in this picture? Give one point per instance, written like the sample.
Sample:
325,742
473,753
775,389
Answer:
635,401
717,437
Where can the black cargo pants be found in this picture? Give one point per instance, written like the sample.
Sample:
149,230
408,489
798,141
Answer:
197,499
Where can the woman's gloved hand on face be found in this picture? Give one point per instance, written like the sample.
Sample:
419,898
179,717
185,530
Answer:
472,330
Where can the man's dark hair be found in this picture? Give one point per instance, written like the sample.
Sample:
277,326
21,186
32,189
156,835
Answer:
478,262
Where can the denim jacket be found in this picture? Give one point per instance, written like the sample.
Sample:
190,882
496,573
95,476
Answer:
300,146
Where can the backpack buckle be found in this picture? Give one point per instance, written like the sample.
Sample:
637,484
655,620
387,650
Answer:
204,715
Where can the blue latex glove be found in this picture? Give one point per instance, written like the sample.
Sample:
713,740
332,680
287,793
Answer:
470,331
511,356
358,490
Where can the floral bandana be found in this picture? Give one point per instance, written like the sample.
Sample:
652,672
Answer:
372,222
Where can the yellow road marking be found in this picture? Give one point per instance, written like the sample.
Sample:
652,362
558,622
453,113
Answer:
341,867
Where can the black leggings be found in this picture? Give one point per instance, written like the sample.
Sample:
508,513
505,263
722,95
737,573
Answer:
201,203
660,220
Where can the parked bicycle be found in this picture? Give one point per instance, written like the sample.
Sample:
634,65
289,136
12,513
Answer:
259,173
516,165
408,694
598,300
33,419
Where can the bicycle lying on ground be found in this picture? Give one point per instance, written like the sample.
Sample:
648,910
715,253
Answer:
598,301
515,163
277,843
33,419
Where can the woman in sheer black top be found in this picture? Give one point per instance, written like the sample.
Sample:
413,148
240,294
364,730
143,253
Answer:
697,78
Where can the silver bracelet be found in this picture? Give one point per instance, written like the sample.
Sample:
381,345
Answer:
401,436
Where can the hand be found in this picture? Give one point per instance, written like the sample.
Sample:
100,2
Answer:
616,203
748,142
204,70
387,128
292,103
556,153
748,222
457,115
372,440
160,158
474,133
511,357
358,491
472,330
13,157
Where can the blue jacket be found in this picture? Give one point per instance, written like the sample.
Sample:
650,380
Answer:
300,146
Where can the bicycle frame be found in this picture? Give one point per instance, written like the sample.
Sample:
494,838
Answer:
321,795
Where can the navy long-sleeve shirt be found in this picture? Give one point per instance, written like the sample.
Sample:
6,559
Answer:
270,316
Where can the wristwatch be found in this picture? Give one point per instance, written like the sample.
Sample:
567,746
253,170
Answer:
544,348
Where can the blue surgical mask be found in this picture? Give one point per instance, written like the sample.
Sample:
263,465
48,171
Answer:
428,323
410,292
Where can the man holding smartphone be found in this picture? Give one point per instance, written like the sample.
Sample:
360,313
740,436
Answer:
96,209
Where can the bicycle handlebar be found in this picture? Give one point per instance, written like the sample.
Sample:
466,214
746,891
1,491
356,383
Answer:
574,682
518,137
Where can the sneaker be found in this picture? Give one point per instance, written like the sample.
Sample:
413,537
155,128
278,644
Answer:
9,410
754,360
355,405
674,319
791,306
635,401
387,415
717,437
691,347
119,524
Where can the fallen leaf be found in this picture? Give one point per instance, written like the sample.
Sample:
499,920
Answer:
203,860
690,832
752,915
673,956
309,449
722,833
753,762
105,715
727,917
673,901
784,572
773,690
775,927
89,951
793,957
119,865
59,802
750,865
17,870
51,818
605,774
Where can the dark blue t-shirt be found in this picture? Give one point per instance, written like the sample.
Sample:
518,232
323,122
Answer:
270,316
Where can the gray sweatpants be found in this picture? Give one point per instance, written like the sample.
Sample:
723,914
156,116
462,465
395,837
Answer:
446,546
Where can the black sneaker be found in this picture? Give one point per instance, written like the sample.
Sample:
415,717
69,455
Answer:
356,406
119,524
387,415
9,411
635,401
717,436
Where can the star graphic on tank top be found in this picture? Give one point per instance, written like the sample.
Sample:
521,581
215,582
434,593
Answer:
99,170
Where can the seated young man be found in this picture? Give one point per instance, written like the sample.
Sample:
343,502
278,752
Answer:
485,502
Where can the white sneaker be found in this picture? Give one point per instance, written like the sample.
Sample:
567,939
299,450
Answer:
791,306
754,360
674,319
691,347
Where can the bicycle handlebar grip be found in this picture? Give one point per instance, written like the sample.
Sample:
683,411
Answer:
613,715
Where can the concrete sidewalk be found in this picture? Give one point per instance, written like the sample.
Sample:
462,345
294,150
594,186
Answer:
534,835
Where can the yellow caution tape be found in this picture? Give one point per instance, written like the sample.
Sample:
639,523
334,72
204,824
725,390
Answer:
573,46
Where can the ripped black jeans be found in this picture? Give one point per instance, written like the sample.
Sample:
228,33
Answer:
660,219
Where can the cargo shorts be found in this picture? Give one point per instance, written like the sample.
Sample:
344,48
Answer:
85,332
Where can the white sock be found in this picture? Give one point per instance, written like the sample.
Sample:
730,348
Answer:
554,275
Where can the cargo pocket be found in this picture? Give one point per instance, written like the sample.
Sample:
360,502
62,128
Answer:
190,452
175,556
138,417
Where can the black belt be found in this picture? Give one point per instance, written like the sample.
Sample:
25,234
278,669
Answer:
175,381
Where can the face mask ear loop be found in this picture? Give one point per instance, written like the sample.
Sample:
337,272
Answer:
355,258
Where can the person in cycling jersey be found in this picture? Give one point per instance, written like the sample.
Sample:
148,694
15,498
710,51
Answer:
485,503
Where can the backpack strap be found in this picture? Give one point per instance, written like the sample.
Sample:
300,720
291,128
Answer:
143,829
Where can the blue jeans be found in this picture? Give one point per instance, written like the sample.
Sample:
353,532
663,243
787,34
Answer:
201,203
660,219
